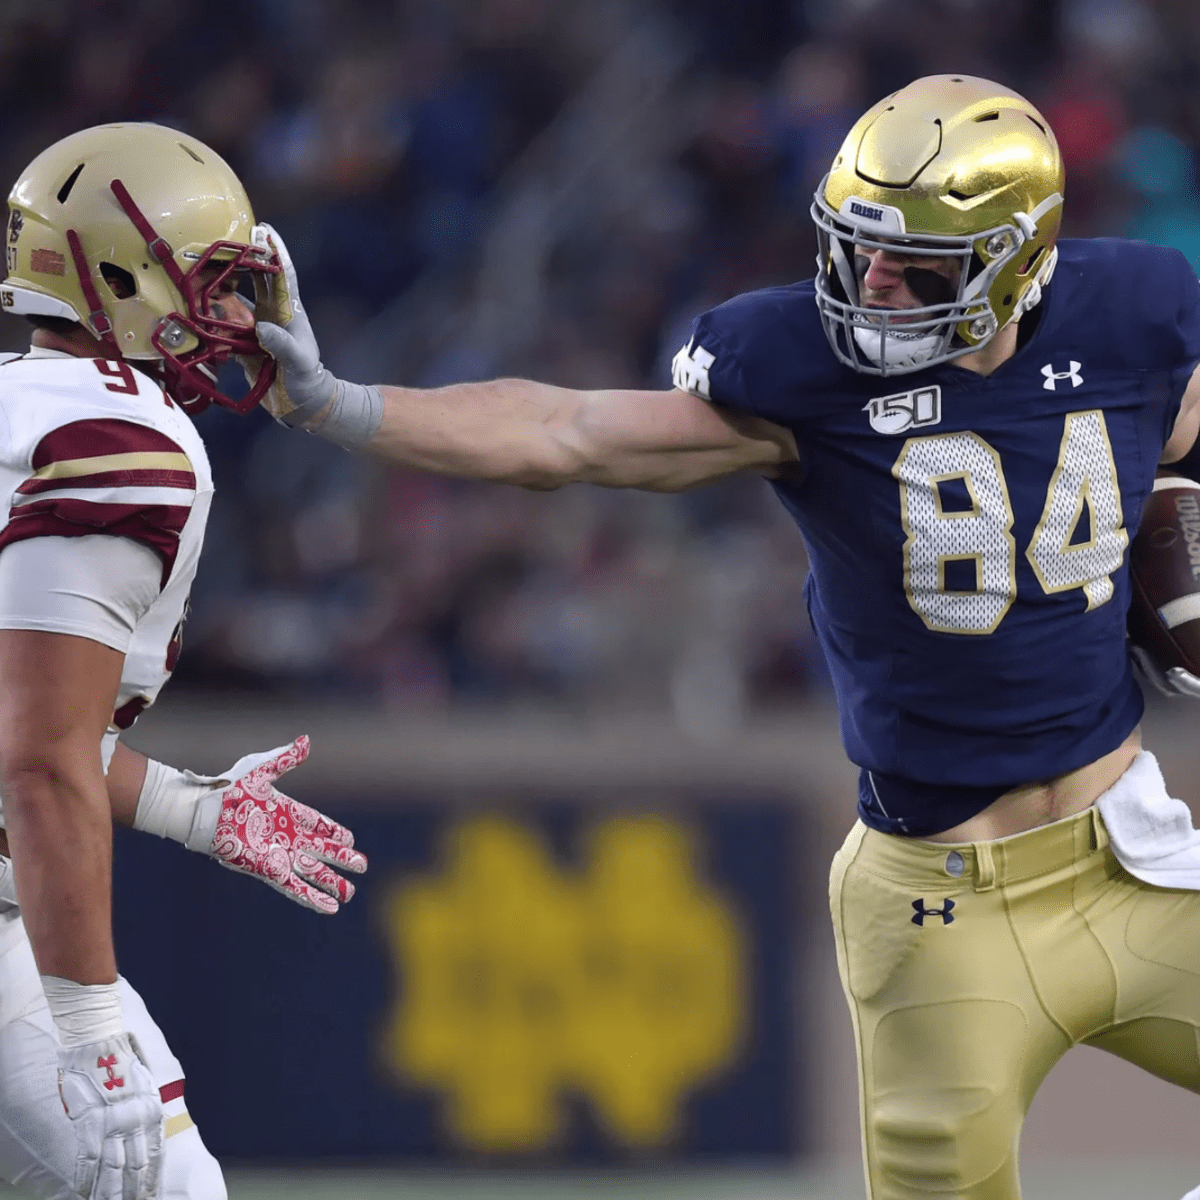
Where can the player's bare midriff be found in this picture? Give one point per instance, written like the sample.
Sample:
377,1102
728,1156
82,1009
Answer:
1049,800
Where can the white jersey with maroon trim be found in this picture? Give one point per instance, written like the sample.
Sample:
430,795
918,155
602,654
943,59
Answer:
92,446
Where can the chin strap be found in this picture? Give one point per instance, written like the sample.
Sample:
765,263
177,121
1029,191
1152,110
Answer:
1033,293
97,318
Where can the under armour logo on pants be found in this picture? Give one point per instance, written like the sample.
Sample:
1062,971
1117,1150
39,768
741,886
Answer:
920,912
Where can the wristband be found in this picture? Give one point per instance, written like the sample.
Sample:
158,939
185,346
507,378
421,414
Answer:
179,805
353,416
83,1012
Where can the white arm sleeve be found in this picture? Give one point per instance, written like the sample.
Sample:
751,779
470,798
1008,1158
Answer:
97,586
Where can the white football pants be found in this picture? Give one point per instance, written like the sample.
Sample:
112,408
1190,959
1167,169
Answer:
37,1142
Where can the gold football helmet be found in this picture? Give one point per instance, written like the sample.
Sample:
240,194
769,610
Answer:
131,230
949,166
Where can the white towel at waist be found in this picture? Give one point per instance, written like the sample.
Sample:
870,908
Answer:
1151,833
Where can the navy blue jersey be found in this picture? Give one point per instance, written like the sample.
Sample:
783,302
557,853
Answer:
968,534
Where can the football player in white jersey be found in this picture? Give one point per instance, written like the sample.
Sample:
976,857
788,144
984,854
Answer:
125,246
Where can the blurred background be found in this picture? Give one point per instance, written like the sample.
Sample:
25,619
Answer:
585,737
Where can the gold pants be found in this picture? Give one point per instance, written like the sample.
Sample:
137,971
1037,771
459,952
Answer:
970,970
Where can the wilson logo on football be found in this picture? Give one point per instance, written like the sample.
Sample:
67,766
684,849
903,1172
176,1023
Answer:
1188,509
905,410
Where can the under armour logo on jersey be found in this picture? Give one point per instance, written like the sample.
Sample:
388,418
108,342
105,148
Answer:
114,1080
1053,376
905,410
920,912
689,369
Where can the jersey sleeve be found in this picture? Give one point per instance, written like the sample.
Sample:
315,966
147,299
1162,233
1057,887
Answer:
93,587
1186,328
760,353
1170,329
105,476
1181,320
707,368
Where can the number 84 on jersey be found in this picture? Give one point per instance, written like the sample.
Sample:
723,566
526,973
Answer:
960,556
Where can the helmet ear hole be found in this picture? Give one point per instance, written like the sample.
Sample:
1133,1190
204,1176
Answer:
120,282
1032,264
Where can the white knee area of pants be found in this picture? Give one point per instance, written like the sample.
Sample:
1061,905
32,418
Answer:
189,1171
37,1141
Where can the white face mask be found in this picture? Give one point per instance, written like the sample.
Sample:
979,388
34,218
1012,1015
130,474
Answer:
901,351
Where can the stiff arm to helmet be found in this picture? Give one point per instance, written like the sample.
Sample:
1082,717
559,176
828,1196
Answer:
303,393
950,167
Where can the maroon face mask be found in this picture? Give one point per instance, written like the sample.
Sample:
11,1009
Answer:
190,376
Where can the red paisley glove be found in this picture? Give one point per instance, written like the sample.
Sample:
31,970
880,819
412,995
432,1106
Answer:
260,831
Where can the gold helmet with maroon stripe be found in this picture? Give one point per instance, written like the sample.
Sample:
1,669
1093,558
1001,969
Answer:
949,166
132,230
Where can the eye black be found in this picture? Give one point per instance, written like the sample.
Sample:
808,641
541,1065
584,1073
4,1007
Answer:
928,286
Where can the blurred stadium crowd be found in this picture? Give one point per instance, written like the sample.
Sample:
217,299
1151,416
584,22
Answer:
554,188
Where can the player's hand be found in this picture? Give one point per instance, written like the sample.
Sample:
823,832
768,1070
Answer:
1174,681
249,826
117,1117
303,388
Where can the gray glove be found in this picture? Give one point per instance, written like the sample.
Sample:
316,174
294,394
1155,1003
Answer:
305,395
1173,681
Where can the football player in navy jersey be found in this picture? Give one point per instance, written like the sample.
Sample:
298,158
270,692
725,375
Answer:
964,417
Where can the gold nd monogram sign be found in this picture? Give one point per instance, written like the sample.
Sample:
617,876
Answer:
623,981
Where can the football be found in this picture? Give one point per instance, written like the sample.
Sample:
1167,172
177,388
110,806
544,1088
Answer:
1164,561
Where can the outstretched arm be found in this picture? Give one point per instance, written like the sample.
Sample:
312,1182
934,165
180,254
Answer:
514,431
540,436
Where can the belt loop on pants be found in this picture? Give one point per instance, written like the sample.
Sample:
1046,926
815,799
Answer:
985,867
1099,833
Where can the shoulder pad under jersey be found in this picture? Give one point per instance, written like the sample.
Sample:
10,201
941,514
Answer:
93,446
762,352
1126,304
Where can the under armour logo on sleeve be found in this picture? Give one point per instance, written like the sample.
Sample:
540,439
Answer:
689,370
1052,376
920,912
